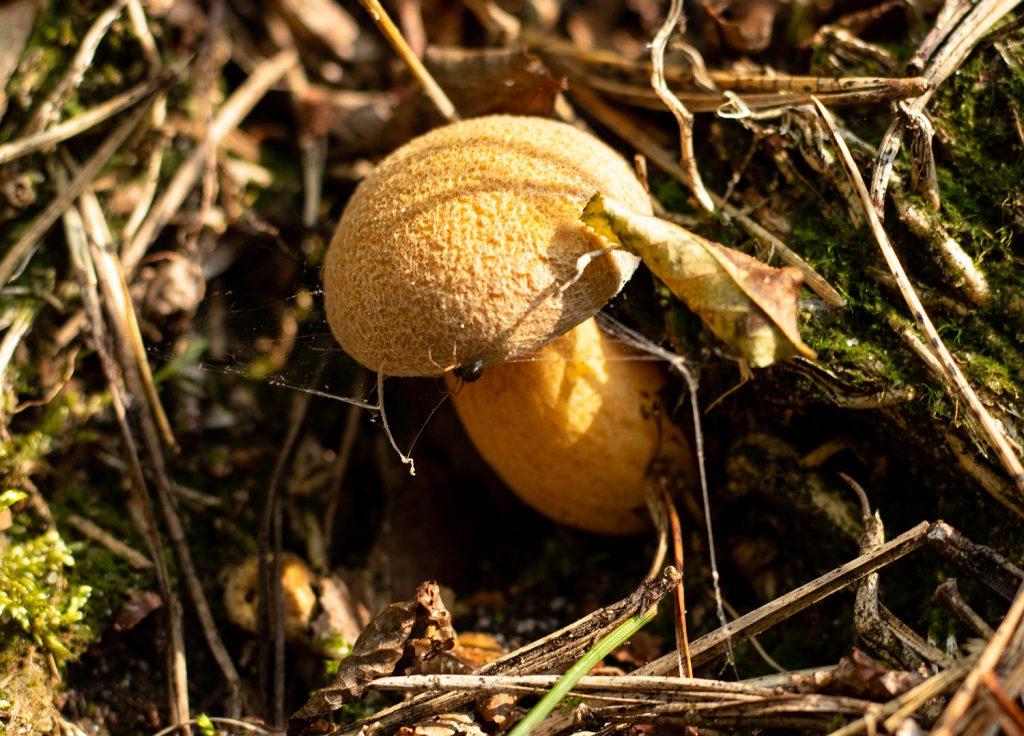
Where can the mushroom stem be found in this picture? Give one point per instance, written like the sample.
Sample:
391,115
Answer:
574,429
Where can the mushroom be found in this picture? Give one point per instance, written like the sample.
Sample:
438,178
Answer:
459,252
573,428
241,594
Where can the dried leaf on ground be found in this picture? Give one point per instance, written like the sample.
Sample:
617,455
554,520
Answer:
491,81
861,676
136,609
432,631
398,637
744,25
341,616
496,709
449,724
747,304
322,22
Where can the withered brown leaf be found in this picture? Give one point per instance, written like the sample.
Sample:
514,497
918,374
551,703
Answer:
395,639
492,81
749,305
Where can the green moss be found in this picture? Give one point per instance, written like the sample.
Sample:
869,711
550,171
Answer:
35,594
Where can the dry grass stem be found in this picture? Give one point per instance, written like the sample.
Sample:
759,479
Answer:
423,76
588,684
950,15
312,140
118,300
987,661
755,642
955,381
500,24
76,125
716,643
109,277
18,326
134,370
49,109
140,27
231,113
628,80
684,118
81,260
96,533
21,251
955,47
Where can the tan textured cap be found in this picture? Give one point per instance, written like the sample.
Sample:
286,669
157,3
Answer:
453,249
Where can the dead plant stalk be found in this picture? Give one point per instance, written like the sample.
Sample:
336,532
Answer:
956,383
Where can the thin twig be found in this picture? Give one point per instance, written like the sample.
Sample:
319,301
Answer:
756,643
989,658
338,470
18,255
48,108
714,644
228,117
97,534
684,118
118,300
949,593
76,125
177,679
682,639
271,596
957,46
423,76
956,383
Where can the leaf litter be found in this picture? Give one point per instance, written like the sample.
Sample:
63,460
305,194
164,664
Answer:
290,347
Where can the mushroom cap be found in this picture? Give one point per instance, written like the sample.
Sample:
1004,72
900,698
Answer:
453,250
241,594
572,430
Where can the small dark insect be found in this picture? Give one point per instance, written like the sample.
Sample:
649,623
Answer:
470,371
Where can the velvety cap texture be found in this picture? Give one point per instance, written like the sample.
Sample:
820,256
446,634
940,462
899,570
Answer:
454,248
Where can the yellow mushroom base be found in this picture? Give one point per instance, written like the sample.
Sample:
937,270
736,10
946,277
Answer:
573,428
